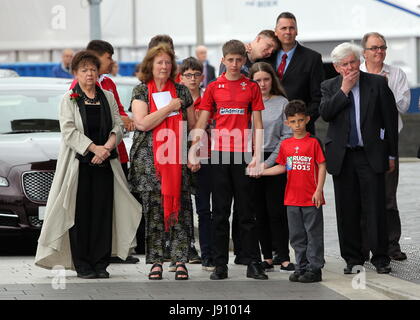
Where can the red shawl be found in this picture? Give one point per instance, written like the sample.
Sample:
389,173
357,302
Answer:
167,148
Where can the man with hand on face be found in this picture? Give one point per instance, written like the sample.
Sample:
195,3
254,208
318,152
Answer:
361,145
374,51
299,68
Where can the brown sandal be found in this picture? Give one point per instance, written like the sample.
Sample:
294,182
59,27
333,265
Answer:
180,273
156,273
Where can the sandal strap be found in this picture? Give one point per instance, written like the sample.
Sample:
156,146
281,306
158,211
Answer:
156,265
153,273
181,265
180,273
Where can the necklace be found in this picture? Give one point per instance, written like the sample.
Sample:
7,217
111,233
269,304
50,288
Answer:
89,100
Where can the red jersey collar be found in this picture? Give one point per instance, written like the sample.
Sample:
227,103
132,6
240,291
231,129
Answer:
223,75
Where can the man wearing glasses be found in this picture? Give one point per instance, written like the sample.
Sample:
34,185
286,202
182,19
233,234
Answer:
374,51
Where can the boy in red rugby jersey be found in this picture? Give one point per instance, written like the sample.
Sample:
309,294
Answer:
234,101
302,157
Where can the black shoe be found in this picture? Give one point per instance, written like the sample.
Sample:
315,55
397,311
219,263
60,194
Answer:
102,274
399,256
267,267
256,271
86,274
129,260
240,260
219,273
290,267
193,256
311,276
383,268
294,277
352,268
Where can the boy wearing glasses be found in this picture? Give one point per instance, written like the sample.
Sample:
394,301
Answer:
191,75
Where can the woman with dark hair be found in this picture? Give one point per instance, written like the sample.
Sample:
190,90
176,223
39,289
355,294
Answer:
271,214
161,108
89,202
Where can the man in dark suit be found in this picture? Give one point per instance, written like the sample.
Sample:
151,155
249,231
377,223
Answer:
361,145
208,70
300,69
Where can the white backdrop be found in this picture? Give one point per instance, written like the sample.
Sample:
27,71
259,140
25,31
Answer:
46,24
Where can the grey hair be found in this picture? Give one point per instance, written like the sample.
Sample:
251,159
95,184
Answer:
371,34
344,50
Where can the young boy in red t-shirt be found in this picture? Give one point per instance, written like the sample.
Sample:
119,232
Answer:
302,157
234,101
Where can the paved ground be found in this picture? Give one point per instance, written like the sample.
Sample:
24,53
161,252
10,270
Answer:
21,280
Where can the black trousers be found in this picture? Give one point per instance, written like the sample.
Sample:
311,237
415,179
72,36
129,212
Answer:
230,181
91,235
359,191
236,236
392,213
202,203
273,230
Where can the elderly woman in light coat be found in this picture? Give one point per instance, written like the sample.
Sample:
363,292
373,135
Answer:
90,212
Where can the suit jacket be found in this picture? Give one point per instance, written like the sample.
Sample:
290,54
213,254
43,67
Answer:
377,111
302,79
211,73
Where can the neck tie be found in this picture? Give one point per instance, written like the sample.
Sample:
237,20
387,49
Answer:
282,65
353,137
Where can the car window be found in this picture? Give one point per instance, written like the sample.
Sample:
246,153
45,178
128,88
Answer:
29,111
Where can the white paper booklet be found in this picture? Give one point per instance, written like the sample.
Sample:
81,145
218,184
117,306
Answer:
162,99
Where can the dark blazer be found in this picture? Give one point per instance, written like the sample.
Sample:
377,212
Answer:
211,72
302,79
377,110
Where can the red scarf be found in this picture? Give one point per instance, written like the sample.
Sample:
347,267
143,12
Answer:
168,163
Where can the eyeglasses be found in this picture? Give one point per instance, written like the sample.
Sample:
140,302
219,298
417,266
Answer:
375,48
190,75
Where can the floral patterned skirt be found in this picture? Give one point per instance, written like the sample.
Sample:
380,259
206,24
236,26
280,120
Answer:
179,234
